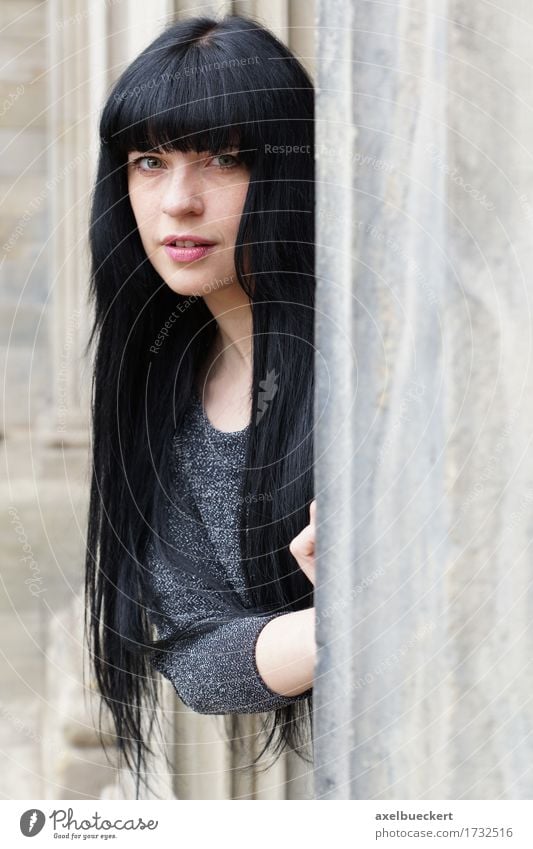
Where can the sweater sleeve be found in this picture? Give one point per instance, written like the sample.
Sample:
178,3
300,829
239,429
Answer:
213,671
216,672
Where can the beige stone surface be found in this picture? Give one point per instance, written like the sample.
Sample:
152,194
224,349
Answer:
24,14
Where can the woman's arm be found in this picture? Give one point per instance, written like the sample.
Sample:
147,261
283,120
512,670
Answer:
216,672
248,664
285,652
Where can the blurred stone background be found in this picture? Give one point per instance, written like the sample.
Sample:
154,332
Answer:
60,57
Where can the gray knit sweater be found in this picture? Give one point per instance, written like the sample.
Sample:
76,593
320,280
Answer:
213,672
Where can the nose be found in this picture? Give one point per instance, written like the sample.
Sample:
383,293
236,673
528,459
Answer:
182,194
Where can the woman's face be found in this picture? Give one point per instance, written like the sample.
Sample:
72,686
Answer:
193,196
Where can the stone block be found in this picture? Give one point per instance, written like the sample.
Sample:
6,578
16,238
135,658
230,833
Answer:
23,16
23,325
80,774
22,151
27,387
21,103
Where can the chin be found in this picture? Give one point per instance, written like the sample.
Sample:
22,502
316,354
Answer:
211,282
181,287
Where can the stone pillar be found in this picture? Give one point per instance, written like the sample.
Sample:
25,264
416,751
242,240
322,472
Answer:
381,690
489,474
70,159
424,487
74,763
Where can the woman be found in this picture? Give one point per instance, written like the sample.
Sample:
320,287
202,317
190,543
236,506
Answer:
200,517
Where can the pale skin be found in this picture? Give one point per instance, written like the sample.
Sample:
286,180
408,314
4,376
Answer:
202,194
286,647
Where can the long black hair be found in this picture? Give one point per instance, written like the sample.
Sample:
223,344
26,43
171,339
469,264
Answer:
199,86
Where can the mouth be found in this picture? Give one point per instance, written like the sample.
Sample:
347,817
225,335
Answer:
187,250
186,242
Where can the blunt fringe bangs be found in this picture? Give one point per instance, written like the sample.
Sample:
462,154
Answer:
202,85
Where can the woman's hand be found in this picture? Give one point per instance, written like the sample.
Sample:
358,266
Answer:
302,547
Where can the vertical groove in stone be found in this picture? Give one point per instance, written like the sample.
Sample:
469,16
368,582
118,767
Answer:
70,142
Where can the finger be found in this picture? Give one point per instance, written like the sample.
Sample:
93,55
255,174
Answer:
304,543
307,543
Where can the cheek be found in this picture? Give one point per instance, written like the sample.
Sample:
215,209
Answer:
135,205
234,205
142,207
142,215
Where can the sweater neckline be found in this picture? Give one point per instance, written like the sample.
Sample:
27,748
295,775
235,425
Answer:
197,401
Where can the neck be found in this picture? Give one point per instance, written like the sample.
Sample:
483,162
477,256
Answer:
232,350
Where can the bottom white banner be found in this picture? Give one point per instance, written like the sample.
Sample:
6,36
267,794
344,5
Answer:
356,824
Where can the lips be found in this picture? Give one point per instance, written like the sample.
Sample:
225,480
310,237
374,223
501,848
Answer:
188,254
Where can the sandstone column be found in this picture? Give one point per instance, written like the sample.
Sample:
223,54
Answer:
425,199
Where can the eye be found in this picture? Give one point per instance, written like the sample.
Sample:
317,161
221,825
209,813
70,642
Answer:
136,163
233,162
